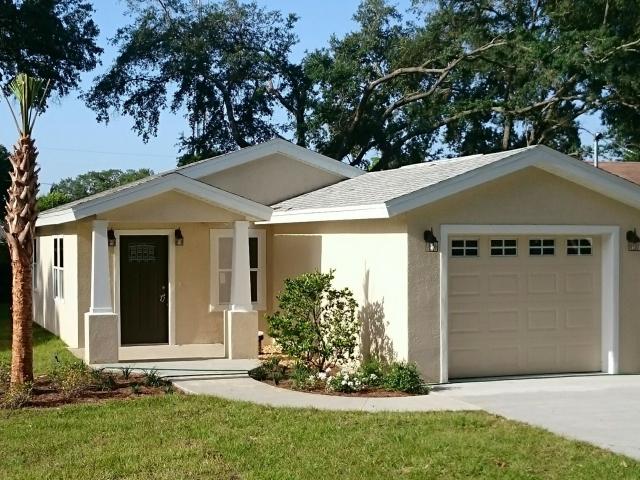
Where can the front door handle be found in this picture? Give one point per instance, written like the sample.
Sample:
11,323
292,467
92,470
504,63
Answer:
163,295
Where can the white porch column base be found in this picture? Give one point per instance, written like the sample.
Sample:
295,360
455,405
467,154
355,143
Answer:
100,338
241,334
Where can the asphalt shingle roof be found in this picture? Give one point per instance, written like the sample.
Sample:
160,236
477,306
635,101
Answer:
380,187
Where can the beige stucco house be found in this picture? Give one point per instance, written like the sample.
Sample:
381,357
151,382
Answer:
519,262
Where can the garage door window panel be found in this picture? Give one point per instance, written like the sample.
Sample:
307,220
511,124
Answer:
464,248
504,247
579,246
542,247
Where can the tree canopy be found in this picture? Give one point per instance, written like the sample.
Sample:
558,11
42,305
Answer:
90,183
447,76
49,39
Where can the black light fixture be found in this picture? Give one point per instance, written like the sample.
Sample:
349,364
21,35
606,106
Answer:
111,238
633,241
179,238
431,240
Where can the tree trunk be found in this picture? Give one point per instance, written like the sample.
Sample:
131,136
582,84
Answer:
22,343
19,231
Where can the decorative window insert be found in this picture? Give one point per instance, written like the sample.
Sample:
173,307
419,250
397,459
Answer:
58,268
579,246
221,272
464,248
504,247
542,246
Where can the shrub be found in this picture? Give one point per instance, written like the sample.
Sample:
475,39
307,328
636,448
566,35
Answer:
152,379
259,373
103,380
72,377
275,371
303,377
16,396
347,380
404,377
372,372
316,323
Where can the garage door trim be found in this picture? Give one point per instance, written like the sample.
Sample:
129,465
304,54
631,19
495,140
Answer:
610,283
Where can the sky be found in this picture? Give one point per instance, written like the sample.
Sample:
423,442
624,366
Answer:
71,141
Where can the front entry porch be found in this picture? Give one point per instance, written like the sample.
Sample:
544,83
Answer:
148,304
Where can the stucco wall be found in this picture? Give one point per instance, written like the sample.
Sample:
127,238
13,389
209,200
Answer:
369,257
531,196
271,179
58,316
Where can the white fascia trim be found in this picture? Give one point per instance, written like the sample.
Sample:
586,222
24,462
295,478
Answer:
249,154
361,212
541,157
157,186
610,281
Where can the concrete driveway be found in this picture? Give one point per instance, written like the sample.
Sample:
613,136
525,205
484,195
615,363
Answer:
599,409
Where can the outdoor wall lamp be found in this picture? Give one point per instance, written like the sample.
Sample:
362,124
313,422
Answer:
633,241
111,238
431,240
179,238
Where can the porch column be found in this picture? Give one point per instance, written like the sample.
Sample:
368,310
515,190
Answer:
240,277
100,322
241,321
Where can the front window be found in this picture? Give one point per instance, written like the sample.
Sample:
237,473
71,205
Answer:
221,268
58,268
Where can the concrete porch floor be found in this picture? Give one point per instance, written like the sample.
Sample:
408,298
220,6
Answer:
188,369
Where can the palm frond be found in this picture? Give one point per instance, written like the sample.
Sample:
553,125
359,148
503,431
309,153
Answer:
30,93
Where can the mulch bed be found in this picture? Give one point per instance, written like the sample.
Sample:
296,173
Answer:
45,395
373,392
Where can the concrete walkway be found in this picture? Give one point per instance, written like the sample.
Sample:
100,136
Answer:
247,389
600,409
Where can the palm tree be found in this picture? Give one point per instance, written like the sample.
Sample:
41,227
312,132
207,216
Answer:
20,221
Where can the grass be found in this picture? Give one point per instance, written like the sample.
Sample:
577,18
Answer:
46,345
188,437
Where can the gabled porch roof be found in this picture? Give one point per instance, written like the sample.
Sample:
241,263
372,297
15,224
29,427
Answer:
150,187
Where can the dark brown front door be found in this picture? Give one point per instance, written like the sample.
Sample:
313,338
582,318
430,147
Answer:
144,289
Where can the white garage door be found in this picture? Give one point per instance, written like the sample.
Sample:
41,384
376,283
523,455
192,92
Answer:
524,305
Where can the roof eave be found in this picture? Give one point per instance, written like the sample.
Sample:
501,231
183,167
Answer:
171,182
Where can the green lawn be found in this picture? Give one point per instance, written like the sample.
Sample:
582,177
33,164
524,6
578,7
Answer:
45,344
180,437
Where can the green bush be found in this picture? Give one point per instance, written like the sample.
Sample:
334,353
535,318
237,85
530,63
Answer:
303,377
72,377
16,396
259,373
372,372
316,323
404,377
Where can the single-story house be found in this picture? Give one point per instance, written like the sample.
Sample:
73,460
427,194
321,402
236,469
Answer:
519,262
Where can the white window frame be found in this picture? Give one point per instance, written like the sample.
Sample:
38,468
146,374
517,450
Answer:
579,247
500,250
58,271
215,236
542,248
465,248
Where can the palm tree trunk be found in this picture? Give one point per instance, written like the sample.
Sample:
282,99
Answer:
19,231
